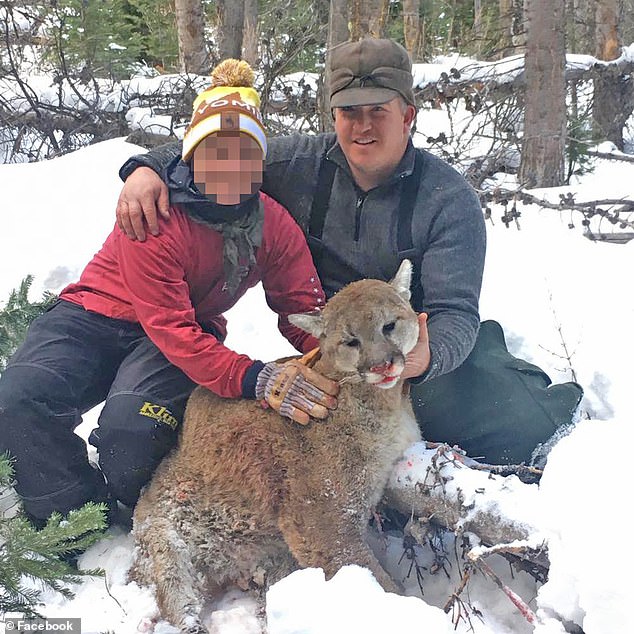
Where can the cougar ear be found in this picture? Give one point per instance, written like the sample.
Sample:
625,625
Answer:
403,279
312,323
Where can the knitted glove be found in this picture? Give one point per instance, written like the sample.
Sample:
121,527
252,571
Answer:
296,391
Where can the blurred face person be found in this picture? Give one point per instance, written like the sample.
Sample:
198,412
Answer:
227,168
374,138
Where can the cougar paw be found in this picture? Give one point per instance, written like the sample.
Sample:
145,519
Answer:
192,625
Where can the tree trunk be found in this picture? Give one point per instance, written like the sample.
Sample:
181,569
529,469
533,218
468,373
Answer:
574,26
543,146
512,27
190,25
504,27
411,27
607,41
250,39
626,24
477,25
337,34
519,20
368,17
379,11
613,91
230,28
584,27
338,23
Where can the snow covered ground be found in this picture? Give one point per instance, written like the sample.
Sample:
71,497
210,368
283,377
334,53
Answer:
546,284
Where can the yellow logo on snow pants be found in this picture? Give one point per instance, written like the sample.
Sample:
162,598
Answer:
159,413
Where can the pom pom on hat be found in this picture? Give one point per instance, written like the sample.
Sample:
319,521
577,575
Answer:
232,72
230,104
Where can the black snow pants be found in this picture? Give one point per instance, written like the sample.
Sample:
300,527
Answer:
70,361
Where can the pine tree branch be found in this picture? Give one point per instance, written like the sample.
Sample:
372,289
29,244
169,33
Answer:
37,555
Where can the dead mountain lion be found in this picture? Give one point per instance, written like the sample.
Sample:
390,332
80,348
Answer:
249,496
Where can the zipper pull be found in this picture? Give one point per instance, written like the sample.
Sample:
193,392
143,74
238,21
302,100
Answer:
357,217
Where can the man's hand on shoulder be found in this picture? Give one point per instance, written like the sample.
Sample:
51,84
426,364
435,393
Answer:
419,357
144,196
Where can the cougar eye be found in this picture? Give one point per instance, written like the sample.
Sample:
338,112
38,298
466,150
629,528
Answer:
388,328
353,343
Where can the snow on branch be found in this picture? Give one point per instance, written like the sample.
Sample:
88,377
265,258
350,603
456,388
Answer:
492,507
615,211
437,484
436,481
449,79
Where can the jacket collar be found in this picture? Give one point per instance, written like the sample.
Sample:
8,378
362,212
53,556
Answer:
404,168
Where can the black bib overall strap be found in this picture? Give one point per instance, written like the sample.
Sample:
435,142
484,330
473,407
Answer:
319,209
405,240
321,198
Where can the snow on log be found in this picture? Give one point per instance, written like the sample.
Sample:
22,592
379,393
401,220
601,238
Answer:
437,485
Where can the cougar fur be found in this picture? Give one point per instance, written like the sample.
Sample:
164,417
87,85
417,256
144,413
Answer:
248,496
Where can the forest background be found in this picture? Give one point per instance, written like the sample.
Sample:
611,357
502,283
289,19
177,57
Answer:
540,125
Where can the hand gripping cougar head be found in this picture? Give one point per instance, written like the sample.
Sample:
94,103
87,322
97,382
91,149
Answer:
248,496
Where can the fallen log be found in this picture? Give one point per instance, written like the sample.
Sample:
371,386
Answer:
437,484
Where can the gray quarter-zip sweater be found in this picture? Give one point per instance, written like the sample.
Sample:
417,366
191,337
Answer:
359,238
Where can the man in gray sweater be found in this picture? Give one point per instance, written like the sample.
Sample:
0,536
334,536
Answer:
366,199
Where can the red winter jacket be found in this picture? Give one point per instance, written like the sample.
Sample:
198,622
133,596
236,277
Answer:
174,282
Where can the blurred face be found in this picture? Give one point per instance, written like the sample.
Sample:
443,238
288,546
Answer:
374,138
228,169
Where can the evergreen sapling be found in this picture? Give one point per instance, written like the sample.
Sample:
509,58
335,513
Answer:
32,560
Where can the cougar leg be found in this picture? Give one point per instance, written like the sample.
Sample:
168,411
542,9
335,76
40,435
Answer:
319,539
277,562
356,551
163,559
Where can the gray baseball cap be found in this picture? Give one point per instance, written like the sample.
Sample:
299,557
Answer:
370,71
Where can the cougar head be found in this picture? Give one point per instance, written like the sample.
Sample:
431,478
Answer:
367,328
